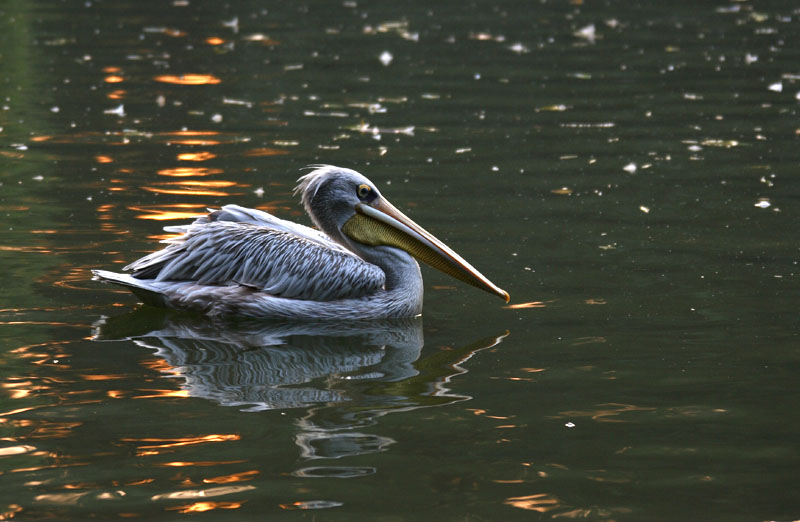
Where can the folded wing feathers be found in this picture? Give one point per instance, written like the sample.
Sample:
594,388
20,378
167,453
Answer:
279,262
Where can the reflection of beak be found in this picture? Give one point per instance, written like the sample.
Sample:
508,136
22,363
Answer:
382,224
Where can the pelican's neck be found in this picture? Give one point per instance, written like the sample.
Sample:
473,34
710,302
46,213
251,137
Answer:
403,285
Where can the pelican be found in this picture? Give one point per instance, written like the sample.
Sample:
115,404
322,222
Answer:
360,264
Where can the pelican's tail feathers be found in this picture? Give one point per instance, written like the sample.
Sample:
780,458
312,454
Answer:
149,294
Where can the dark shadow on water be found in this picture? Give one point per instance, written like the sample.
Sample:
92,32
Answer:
345,374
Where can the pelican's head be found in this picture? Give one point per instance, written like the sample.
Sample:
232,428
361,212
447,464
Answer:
349,208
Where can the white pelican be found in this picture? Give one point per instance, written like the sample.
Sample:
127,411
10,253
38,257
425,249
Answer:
244,262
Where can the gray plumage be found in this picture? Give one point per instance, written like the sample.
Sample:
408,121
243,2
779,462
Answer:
270,260
241,261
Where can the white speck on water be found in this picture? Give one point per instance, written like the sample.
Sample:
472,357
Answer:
216,118
259,191
776,87
587,33
54,108
495,168
386,58
570,425
750,58
118,110
644,209
630,168
763,203
476,76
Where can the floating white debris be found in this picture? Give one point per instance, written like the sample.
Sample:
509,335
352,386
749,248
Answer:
259,191
463,150
553,108
386,58
763,203
776,87
587,33
630,168
54,108
644,209
570,425
216,118
232,24
750,58
518,48
119,110
234,101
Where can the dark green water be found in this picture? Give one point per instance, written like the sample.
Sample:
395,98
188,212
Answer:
633,186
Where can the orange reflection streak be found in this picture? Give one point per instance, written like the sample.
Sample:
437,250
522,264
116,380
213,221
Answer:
604,411
215,40
100,377
234,477
103,159
198,507
204,463
541,502
54,430
113,79
196,156
187,192
191,133
160,365
188,79
263,151
181,172
117,94
164,394
167,215
140,482
170,31
530,304
111,69
203,143
183,441
198,183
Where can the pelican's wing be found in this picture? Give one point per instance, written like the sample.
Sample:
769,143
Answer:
275,261
237,214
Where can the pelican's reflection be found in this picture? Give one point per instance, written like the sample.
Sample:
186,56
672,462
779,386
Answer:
345,374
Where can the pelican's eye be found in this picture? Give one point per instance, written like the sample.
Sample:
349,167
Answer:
364,191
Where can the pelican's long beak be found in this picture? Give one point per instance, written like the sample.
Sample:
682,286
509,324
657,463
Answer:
380,223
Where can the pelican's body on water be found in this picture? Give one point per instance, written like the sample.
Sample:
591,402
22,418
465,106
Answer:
238,261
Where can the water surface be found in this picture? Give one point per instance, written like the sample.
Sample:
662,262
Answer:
626,172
